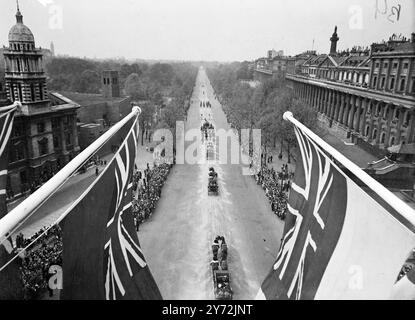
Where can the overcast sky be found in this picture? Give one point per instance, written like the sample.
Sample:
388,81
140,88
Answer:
220,30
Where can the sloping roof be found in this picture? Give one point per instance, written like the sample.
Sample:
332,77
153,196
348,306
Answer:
331,61
85,99
355,60
316,60
403,148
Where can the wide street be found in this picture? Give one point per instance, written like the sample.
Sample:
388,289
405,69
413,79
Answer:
177,239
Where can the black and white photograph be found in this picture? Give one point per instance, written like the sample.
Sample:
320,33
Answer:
207,154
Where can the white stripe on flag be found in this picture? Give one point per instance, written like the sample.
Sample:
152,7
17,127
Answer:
260,295
370,252
3,173
2,191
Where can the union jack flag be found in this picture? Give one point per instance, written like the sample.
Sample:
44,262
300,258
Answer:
334,244
110,264
312,228
6,126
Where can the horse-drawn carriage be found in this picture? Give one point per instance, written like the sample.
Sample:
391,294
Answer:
213,188
221,275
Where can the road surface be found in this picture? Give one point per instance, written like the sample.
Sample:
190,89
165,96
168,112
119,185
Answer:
177,239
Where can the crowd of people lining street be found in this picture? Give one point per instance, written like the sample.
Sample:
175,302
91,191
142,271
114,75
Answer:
147,187
276,186
47,250
37,260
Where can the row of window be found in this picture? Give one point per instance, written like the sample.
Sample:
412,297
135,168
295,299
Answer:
394,65
23,65
382,136
356,77
392,82
108,80
22,46
16,91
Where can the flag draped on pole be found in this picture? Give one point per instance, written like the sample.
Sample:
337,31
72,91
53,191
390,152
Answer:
339,242
10,277
102,258
6,126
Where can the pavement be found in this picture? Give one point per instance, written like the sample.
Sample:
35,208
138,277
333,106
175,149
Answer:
351,151
177,239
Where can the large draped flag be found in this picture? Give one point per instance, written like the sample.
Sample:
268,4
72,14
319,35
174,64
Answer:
102,258
339,242
10,276
6,126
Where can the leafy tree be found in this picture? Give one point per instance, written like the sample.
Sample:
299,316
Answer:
135,87
89,81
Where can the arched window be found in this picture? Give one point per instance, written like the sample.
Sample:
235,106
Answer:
382,137
43,146
375,81
374,134
392,141
366,131
392,83
402,85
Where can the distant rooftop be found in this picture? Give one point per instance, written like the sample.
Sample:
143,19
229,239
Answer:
89,98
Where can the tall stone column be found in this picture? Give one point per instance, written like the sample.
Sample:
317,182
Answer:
379,123
342,107
373,104
313,97
352,112
323,91
326,101
334,102
411,127
399,126
362,122
356,125
330,104
389,119
323,110
319,98
346,109
337,109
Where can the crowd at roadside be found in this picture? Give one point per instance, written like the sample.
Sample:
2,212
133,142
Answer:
147,186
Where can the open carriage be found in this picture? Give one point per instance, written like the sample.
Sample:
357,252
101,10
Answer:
213,188
221,275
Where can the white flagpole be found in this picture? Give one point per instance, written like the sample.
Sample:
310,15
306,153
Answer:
18,214
406,211
16,104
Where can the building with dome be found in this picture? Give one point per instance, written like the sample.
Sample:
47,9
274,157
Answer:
44,136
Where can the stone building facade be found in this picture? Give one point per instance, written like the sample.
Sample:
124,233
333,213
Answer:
44,136
367,96
97,112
